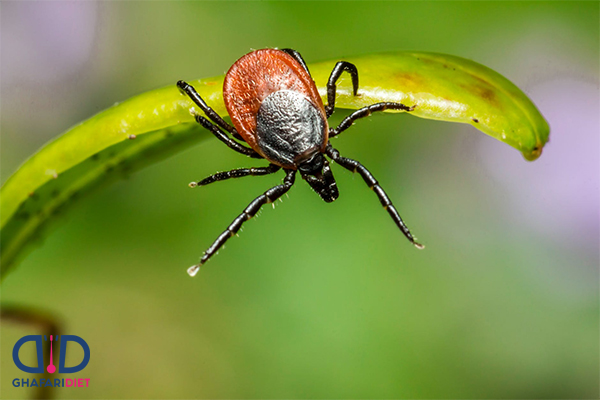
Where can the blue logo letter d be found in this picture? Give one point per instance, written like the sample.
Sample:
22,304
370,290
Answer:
63,351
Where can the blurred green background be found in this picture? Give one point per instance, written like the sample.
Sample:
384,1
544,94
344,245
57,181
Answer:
317,300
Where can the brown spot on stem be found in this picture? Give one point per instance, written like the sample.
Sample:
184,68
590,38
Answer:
409,80
482,90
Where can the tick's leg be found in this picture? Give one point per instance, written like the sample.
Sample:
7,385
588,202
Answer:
365,112
210,113
232,144
268,197
355,166
237,173
298,58
340,67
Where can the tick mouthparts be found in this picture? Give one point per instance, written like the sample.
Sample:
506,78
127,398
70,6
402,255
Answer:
193,270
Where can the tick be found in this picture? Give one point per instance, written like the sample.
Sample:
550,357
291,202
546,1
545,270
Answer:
277,111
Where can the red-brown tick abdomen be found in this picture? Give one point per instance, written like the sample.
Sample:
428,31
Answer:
254,77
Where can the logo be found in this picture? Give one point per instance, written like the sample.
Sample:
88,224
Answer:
51,368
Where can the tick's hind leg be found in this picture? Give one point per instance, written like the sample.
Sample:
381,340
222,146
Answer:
355,166
365,112
237,173
210,113
267,197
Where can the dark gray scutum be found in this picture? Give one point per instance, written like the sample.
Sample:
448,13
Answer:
288,125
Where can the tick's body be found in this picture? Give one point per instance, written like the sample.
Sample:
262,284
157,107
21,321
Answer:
276,109
275,106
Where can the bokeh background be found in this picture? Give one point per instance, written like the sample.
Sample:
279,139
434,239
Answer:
318,300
